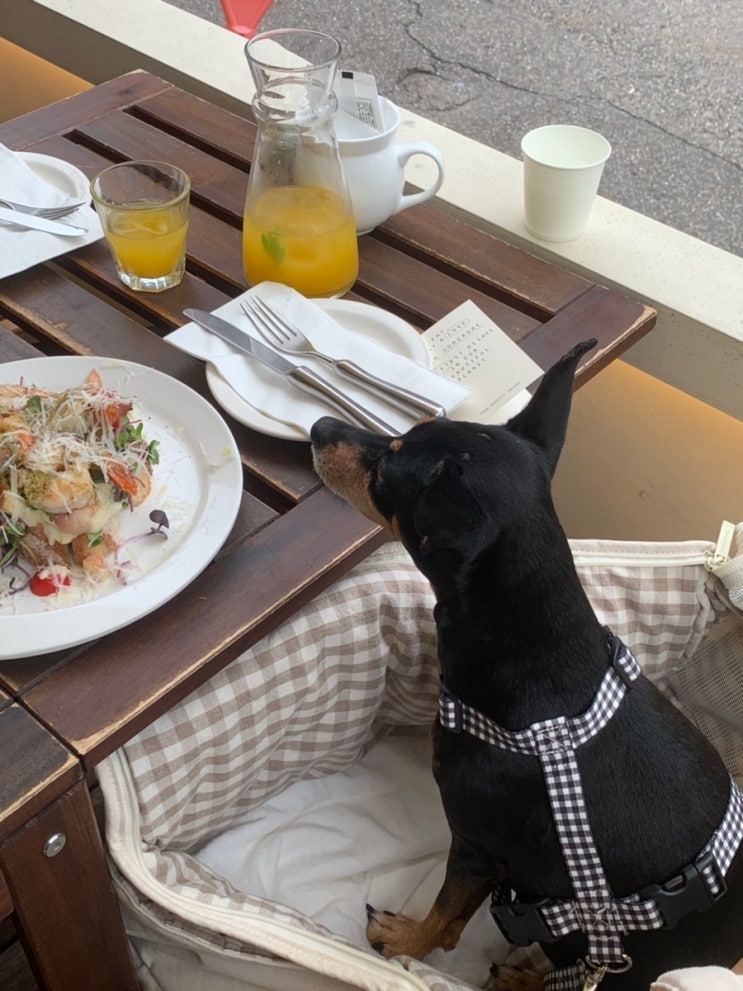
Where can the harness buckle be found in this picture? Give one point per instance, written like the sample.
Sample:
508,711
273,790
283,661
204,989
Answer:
687,892
595,972
521,923
616,651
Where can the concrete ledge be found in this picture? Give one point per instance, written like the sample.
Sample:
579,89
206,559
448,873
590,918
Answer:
697,344
696,288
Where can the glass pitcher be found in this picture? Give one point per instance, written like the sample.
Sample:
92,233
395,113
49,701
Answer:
298,224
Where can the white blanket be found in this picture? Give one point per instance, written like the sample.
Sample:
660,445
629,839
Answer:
699,979
374,833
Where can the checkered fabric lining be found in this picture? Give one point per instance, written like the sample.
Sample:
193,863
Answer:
307,701
309,698
203,766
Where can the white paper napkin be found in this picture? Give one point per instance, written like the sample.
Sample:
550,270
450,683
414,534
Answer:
267,392
19,248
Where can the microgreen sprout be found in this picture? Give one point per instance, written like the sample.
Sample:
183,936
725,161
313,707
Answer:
129,434
152,454
130,437
10,533
160,519
13,587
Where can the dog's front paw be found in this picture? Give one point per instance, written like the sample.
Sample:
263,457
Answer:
513,979
394,935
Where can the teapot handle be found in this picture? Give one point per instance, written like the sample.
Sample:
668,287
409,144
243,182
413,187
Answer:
404,154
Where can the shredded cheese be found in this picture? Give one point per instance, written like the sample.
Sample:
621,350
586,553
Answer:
69,463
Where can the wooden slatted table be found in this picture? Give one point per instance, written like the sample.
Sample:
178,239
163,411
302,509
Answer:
291,538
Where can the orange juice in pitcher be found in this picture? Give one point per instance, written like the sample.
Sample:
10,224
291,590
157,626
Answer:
298,223
303,237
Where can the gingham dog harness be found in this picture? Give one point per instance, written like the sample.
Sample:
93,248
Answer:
594,909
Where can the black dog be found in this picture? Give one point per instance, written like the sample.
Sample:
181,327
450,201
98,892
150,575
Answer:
520,643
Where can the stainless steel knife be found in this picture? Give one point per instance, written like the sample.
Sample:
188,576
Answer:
32,222
304,378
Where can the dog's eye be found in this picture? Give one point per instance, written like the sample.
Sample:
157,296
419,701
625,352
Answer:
481,433
465,456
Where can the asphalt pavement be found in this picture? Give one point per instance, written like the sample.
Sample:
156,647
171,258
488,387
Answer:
662,81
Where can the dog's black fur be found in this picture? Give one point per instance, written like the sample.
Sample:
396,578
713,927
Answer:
519,641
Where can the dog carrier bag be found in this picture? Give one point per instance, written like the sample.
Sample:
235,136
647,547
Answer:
249,826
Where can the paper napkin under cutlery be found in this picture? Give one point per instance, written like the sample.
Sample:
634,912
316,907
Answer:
263,389
19,248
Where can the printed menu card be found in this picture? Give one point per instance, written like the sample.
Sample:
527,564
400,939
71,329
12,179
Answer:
468,347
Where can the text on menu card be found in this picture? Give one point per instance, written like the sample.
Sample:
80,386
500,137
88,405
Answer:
468,347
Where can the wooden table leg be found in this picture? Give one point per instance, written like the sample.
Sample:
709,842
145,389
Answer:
65,907
6,904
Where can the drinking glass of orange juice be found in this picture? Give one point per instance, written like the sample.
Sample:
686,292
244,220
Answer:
143,209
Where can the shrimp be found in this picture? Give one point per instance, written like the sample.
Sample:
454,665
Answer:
12,391
57,491
18,391
137,484
11,422
116,409
17,438
79,520
144,486
93,381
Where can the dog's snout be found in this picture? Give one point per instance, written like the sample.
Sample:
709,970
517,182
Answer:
326,430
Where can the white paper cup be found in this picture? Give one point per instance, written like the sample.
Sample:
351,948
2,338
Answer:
562,171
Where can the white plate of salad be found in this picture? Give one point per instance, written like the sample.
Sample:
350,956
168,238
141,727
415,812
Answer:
118,485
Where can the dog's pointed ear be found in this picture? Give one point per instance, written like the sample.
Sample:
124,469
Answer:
545,420
444,509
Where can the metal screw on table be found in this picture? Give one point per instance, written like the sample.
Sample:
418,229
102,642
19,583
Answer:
54,845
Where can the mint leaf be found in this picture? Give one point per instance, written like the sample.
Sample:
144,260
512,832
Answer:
272,246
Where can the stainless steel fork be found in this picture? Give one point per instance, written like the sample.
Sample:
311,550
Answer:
285,336
49,212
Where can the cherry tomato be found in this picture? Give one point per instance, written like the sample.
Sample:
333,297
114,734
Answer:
47,584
